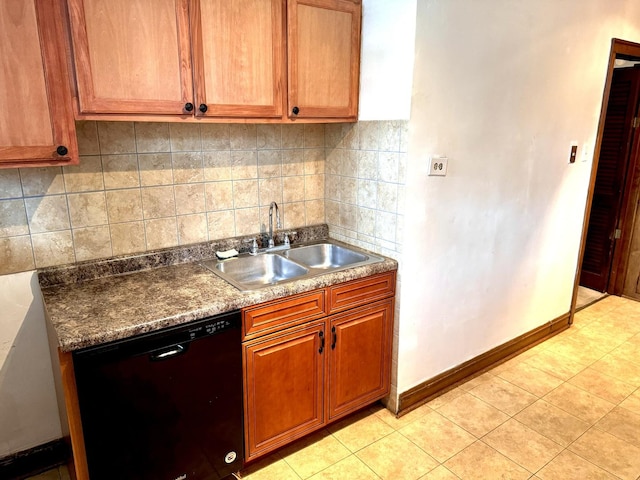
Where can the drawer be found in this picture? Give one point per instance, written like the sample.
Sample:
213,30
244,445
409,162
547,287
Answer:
267,317
361,292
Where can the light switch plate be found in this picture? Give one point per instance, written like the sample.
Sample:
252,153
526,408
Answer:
438,166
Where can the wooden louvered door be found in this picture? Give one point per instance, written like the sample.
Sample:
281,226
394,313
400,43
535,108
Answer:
615,152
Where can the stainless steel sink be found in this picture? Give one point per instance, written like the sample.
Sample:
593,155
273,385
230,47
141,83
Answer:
262,270
325,256
251,272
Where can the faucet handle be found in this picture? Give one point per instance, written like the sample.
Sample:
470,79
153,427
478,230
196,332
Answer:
286,240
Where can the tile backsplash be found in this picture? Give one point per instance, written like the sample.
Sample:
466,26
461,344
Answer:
144,186
365,184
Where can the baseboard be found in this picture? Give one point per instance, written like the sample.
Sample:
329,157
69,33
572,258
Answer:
33,461
439,384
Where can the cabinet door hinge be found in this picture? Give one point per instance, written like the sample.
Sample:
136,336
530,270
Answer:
617,234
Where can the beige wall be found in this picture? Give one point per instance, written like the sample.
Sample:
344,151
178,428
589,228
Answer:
143,186
494,244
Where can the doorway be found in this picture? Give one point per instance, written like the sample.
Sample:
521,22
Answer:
609,238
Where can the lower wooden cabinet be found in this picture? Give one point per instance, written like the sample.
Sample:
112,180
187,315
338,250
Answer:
302,378
284,375
359,357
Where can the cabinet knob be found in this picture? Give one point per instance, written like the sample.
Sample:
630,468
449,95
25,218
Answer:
188,107
62,150
295,110
203,108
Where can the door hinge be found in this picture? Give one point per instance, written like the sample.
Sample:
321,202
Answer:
636,122
617,233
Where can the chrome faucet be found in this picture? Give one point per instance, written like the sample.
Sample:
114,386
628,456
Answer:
273,204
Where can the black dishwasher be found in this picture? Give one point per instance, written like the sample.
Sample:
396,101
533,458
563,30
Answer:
166,405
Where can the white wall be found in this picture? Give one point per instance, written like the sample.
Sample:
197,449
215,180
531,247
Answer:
501,87
386,68
28,406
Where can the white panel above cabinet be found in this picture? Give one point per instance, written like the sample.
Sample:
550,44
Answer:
386,64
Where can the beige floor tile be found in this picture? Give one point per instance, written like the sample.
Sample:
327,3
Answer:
609,452
540,347
475,381
397,423
577,402
268,468
356,432
530,378
314,453
585,317
604,306
620,368
632,402
484,418
552,422
509,364
622,423
350,468
503,395
445,398
581,350
48,475
601,336
395,457
569,465
522,445
438,436
557,365
479,461
621,324
64,473
440,473
628,349
635,339
602,385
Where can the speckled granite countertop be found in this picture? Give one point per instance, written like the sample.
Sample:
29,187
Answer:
96,308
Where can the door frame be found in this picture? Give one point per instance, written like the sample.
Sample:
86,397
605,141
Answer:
619,48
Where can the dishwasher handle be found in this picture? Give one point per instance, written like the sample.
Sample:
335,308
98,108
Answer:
168,352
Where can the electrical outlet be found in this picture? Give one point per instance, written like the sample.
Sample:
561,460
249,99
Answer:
438,166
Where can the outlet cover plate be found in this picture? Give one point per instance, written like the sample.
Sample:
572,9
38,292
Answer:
438,166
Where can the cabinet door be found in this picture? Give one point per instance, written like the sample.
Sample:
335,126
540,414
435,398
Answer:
36,116
283,387
323,58
360,357
238,53
132,56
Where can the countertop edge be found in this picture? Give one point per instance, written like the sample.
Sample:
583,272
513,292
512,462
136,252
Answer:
88,326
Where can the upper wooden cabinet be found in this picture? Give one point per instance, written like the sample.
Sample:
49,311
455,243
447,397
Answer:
238,55
324,58
132,56
217,59
36,118
179,57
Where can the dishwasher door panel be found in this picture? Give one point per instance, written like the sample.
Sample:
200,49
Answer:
175,418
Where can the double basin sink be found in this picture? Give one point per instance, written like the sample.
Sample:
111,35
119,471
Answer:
275,266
